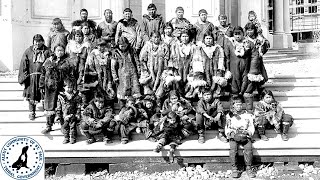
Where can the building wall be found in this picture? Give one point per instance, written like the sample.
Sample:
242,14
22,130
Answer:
192,7
5,36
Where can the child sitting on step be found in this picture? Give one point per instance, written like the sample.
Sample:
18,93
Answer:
183,109
98,118
131,118
209,114
170,133
269,111
69,110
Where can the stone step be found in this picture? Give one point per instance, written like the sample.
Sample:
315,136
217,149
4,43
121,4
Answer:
298,102
34,129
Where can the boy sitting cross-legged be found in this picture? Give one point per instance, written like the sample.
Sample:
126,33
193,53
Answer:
98,118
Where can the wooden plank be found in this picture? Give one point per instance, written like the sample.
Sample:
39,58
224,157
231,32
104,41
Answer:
292,84
142,148
11,86
34,129
11,96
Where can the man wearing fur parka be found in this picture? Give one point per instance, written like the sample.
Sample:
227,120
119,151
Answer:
129,28
151,22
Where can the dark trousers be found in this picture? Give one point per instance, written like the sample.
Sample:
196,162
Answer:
203,122
32,107
125,130
69,128
106,129
247,152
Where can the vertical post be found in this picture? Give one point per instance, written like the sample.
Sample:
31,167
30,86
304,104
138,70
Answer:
286,24
278,32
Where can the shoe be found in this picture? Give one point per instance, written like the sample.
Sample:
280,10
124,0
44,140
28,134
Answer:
46,130
284,137
236,174
90,141
264,137
201,139
157,149
124,141
278,131
107,141
66,141
171,155
222,138
250,173
32,116
152,139
72,141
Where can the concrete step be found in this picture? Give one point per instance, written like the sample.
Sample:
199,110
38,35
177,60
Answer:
298,102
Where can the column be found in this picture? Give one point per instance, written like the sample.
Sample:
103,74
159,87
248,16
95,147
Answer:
286,24
278,31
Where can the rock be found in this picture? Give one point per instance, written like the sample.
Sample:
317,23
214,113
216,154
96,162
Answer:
301,166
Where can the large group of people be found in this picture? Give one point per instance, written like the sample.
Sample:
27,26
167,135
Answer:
165,78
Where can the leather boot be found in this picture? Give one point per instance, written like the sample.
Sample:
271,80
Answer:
248,98
262,133
49,124
285,129
201,138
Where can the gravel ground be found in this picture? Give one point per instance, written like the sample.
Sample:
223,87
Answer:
308,172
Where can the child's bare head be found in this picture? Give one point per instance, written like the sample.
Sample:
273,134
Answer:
130,101
99,100
237,103
172,117
174,96
267,96
207,94
252,16
69,84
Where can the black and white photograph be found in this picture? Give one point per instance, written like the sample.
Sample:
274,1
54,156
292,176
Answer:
159,89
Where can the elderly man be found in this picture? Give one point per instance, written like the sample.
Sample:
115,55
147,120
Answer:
107,29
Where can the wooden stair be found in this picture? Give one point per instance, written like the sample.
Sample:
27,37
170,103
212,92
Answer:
298,94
